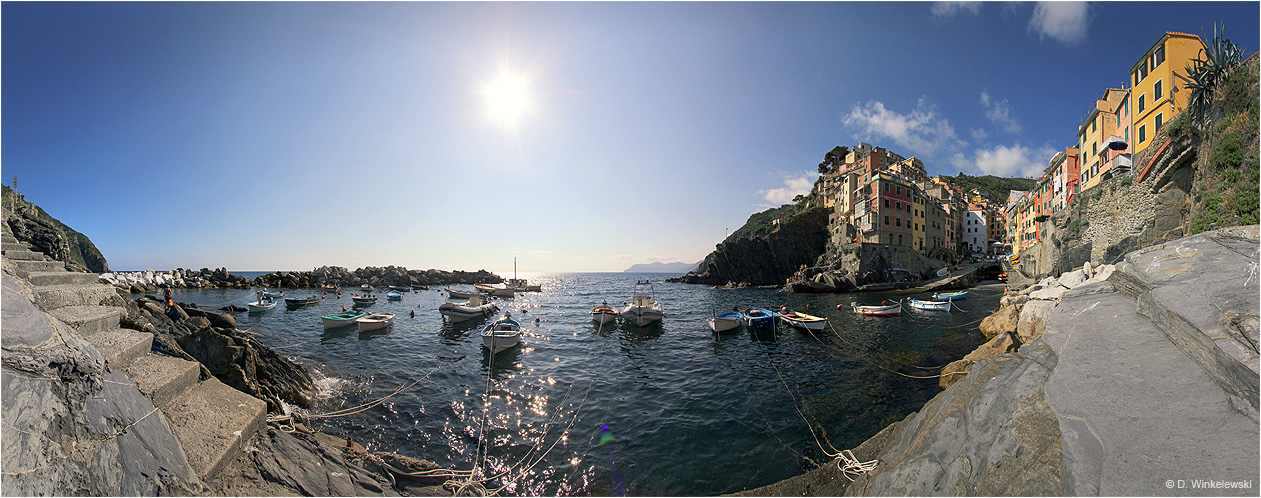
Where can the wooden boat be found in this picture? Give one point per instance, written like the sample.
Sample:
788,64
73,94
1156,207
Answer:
263,305
273,294
881,310
364,300
802,320
725,321
342,319
603,313
301,301
374,321
394,295
643,309
759,318
931,305
401,288
476,307
501,334
950,296
420,287
331,288
496,291
459,294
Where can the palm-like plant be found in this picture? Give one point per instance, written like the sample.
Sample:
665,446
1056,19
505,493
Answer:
1207,71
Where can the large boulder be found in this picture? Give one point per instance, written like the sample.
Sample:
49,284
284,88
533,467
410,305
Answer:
1033,319
1003,320
241,361
955,371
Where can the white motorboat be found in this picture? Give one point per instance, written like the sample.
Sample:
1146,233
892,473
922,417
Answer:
725,321
476,307
643,308
496,291
502,334
603,313
520,284
374,321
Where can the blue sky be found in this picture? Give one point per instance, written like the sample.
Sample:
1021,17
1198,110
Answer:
573,136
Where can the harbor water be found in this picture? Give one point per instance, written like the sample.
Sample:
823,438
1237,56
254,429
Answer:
579,408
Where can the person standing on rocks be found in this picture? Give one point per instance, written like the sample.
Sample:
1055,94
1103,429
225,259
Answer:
166,296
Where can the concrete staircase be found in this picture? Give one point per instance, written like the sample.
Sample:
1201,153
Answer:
211,420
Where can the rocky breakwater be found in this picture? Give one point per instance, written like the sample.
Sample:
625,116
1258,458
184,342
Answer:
1138,382
374,276
139,282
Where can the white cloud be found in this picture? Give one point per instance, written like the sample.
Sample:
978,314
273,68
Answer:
792,188
949,9
1065,22
921,131
979,134
1014,161
1000,113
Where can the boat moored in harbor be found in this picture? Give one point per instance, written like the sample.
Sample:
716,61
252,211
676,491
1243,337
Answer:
725,321
802,320
501,334
476,307
603,313
374,321
643,308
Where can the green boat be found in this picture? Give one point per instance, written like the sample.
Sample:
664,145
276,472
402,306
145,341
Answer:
342,319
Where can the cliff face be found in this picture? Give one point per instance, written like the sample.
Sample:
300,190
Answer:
46,234
767,259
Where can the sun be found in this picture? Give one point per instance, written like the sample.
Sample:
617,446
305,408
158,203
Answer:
507,99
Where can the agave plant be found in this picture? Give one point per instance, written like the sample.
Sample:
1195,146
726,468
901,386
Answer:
1207,71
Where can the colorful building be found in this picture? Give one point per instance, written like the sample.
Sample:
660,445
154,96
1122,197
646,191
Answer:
1158,93
1101,122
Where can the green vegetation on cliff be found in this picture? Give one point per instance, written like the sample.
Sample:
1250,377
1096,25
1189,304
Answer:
31,224
762,223
996,186
1228,174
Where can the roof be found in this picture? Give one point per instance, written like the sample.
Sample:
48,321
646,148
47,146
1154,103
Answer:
1158,42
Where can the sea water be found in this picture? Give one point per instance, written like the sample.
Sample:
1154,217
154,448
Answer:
580,408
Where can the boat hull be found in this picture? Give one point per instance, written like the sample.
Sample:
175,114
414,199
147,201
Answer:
879,310
394,296
261,305
950,296
374,321
458,294
341,320
603,315
503,334
459,313
759,318
642,315
803,321
725,322
930,305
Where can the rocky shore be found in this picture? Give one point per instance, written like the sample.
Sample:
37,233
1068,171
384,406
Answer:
1133,379
150,280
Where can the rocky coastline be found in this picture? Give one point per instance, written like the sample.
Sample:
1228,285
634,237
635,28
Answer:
140,282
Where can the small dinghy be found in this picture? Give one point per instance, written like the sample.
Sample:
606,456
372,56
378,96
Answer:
882,310
502,334
759,318
273,294
374,321
295,302
342,319
364,300
950,296
725,321
394,295
459,294
931,305
802,320
331,288
401,288
603,313
476,307
643,309
262,305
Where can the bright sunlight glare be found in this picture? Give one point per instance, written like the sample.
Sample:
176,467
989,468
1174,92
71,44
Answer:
507,99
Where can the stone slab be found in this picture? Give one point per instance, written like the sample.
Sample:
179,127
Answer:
62,278
121,347
1135,412
24,254
213,422
34,265
161,377
89,319
51,297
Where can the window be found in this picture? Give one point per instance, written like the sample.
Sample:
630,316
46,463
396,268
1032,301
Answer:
886,203
1141,104
1142,134
1094,149
1158,92
899,220
1127,135
1092,124
886,220
886,187
899,206
1160,119
1159,56
899,190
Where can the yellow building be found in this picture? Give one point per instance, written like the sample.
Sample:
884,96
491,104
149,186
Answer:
1158,95
912,169
1100,124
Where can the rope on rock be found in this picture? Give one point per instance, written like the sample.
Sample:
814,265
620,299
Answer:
851,465
366,406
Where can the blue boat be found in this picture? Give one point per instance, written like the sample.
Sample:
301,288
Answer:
273,294
342,319
364,300
759,318
950,296
394,295
501,334
262,305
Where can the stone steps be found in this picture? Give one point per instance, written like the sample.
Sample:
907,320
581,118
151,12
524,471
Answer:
8,239
62,278
51,297
32,265
213,421
89,319
161,377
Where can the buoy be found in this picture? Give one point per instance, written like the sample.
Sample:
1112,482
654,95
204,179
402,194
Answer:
536,319
413,313
343,309
838,306
523,310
